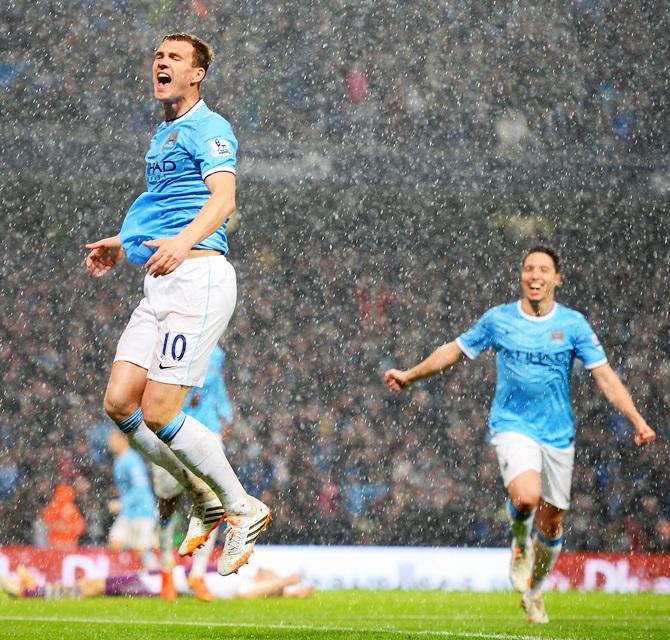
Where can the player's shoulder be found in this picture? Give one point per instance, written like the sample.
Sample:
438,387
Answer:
574,322
505,310
212,121
569,314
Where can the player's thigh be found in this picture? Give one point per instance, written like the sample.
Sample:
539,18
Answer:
193,307
131,363
519,458
166,487
557,467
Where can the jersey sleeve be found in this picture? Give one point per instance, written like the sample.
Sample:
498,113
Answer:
479,338
587,346
216,149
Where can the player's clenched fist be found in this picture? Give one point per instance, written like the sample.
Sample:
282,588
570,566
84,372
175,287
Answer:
396,380
644,434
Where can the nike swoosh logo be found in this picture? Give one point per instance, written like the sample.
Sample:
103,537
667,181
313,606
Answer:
172,366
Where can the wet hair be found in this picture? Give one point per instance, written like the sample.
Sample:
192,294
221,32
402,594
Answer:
548,251
202,52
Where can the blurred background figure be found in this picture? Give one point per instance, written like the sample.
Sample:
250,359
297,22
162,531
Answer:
64,521
135,507
265,583
210,405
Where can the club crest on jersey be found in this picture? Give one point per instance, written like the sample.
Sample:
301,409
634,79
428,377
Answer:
169,143
557,336
219,148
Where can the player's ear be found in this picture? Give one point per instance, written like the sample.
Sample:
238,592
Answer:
559,279
198,75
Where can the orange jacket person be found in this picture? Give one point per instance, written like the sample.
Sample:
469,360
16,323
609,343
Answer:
64,521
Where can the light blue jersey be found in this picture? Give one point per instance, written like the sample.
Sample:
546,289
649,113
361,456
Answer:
132,480
181,155
534,358
210,404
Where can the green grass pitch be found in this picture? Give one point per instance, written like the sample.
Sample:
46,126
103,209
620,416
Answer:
340,614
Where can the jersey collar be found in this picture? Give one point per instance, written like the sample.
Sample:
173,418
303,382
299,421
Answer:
188,114
536,318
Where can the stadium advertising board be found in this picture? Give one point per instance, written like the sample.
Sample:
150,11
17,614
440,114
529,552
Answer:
449,569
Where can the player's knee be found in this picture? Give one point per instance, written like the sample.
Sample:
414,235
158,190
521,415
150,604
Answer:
155,416
153,421
526,500
117,407
158,412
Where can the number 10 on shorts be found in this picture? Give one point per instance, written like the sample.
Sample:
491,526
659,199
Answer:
177,346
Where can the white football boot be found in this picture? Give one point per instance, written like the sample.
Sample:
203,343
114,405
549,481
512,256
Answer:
534,608
241,538
206,516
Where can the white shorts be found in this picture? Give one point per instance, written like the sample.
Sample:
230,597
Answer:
165,486
518,453
137,534
174,329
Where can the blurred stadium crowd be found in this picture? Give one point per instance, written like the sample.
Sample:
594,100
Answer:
326,304
475,75
336,287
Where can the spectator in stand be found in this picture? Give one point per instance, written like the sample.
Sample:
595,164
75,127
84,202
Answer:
457,67
64,521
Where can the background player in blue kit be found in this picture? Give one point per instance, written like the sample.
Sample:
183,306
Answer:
211,403
135,508
211,406
176,229
532,424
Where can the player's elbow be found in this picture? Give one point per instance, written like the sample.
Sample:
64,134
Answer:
225,201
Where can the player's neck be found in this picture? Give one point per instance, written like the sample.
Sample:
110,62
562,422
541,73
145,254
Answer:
538,308
179,107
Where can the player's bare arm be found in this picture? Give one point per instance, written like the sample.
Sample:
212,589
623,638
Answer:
619,397
171,252
441,359
103,255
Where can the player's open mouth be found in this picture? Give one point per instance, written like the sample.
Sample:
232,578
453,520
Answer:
163,78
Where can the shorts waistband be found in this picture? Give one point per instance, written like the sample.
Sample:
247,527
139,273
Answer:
204,253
